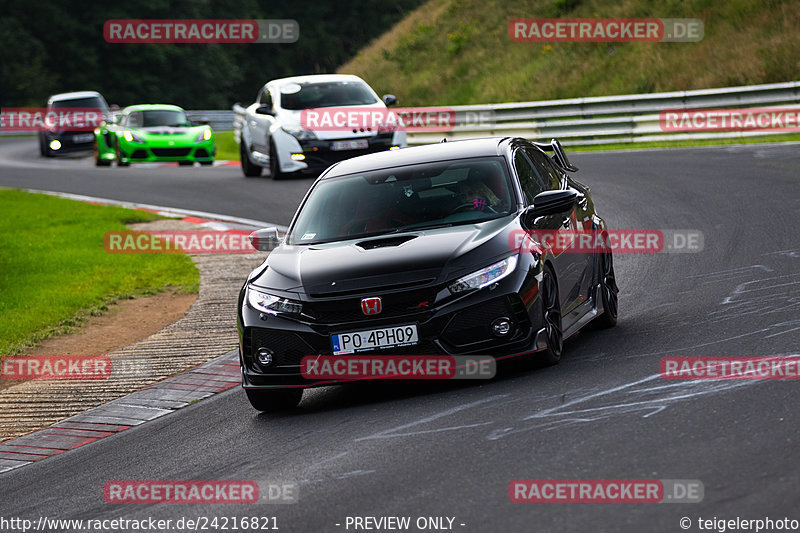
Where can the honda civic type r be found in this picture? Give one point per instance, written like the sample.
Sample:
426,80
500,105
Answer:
415,252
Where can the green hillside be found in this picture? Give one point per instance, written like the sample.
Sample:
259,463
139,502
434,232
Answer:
450,52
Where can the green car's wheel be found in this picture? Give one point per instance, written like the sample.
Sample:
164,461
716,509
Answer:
249,169
120,162
206,163
98,161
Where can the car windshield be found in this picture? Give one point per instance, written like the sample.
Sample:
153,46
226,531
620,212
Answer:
89,102
154,118
407,198
296,96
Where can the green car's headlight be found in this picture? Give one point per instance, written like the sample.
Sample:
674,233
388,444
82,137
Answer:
204,136
132,137
269,303
485,276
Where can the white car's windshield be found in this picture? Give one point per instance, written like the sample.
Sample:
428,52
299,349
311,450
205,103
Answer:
296,97
409,198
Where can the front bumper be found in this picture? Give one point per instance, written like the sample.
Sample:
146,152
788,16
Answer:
71,141
456,326
319,154
144,152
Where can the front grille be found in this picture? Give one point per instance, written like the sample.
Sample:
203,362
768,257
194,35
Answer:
171,152
200,152
393,305
139,154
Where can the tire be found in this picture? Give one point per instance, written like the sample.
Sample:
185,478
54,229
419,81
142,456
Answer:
185,163
274,168
249,169
97,160
551,318
274,400
43,148
608,292
121,163
206,163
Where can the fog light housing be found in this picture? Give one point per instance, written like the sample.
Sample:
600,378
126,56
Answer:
501,327
55,144
264,356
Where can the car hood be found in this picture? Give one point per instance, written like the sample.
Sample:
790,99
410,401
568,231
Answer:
399,260
289,118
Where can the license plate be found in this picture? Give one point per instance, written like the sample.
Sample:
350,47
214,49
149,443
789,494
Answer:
370,339
84,138
357,144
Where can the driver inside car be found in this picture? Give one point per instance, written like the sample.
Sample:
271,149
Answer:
474,191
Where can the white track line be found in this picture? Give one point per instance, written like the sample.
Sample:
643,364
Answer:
163,210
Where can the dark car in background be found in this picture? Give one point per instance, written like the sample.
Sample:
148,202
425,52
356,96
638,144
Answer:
423,240
53,141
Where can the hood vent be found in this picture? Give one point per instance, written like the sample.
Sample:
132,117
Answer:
385,242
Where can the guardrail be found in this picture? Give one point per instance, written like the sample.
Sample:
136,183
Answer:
622,118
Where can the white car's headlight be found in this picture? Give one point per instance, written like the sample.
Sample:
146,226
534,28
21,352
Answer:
269,303
299,133
485,276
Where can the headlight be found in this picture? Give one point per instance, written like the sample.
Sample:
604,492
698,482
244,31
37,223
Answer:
269,303
204,136
299,133
485,276
132,137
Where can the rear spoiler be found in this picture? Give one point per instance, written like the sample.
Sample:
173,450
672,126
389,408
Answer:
559,157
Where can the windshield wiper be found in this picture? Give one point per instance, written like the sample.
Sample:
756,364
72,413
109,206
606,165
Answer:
419,226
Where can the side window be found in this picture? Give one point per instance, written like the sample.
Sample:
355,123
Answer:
543,165
529,178
265,98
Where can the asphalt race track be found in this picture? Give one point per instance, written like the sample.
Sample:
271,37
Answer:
452,450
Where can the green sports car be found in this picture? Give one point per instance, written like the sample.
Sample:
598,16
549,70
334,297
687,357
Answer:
153,132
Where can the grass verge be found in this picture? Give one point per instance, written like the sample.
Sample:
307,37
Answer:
54,270
227,149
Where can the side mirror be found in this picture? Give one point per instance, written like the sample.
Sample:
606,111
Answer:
264,110
550,203
389,99
265,239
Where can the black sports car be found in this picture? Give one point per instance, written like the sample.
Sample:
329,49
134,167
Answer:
422,244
